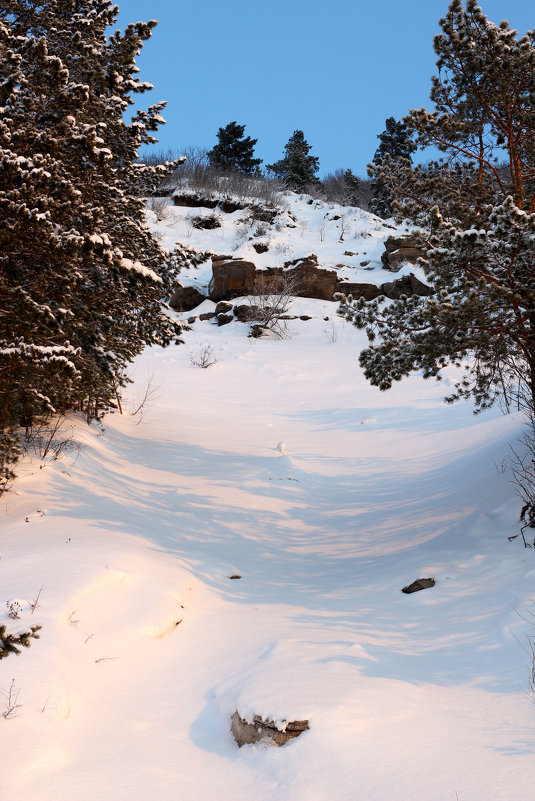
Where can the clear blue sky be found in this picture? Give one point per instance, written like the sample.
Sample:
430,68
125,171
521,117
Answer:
336,69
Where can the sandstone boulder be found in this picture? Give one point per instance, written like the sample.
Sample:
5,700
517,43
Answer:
185,298
408,285
399,250
231,279
311,281
357,290
246,312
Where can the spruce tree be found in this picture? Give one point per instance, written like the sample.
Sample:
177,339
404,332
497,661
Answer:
81,277
297,169
475,214
396,144
234,151
351,188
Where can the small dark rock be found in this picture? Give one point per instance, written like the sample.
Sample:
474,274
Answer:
256,331
192,319
246,312
305,317
223,307
261,247
364,263
206,315
419,584
235,577
224,319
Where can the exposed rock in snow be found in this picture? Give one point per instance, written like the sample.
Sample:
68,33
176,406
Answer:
248,733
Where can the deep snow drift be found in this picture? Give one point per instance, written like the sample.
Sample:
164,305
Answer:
279,464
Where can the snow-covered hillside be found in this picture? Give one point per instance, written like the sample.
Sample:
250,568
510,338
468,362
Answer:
348,240
279,465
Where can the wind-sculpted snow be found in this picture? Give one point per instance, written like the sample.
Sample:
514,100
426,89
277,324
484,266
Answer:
282,466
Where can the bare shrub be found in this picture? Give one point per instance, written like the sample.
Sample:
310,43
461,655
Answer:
271,298
159,206
204,357
282,251
11,704
523,469
35,603
146,399
49,438
13,609
197,175
345,225
335,191
331,332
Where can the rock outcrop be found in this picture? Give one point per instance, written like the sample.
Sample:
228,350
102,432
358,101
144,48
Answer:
399,250
231,278
310,280
235,278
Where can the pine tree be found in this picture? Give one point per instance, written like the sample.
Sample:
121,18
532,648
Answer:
234,151
297,169
476,219
396,144
81,277
12,643
351,188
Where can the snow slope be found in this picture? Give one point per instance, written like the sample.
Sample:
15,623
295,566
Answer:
279,464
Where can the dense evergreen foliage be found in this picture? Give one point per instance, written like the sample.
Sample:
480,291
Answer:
476,221
297,168
396,144
234,151
12,643
81,278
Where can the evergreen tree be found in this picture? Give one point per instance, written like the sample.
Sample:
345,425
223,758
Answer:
234,151
297,169
351,188
12,643
477,222
396,144
81,277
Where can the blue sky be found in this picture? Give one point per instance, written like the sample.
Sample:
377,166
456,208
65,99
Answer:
336,69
